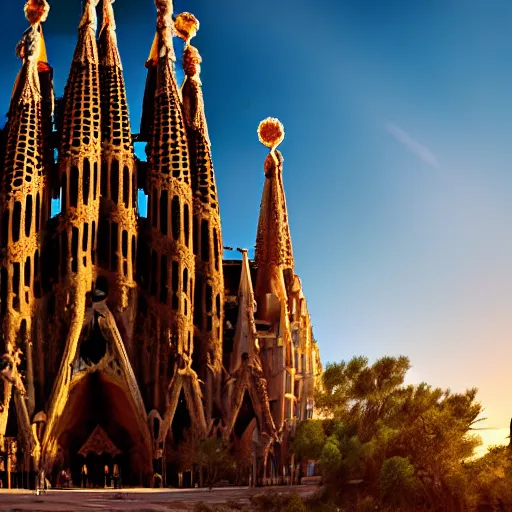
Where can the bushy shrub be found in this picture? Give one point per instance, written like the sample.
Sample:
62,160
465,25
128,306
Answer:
397,482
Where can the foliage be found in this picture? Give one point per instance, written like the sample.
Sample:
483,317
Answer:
213,456
397,481
309,439
416,438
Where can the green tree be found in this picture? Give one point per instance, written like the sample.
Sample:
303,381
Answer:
397,482
375,417
309,439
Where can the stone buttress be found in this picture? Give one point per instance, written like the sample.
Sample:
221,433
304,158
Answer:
24,212
165,256
207,236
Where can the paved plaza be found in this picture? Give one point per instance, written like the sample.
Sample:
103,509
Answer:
143,500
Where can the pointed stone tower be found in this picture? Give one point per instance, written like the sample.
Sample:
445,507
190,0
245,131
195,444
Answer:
246,401
165,258
117,233
207,236
79,170
24,212
274,260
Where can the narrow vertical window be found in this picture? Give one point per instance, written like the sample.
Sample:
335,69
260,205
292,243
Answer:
126,185
86,181
93,242
95,181
215,249
164,212
104,179
16,221
74,249
205,238
186,224
175,212
28,215
73,186
28,272
85,237
38,211
195,235
124,243
114,181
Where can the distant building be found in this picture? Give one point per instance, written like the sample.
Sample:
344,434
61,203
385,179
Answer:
128,339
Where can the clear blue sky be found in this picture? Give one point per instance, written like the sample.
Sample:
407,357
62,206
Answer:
398,118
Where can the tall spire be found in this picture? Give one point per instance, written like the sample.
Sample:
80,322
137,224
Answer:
24,209
273,241
165,256
79,168
207,235
117,230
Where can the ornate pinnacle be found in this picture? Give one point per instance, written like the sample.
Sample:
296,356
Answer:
108,15
165,27
36,11
271,133
89,18
186,26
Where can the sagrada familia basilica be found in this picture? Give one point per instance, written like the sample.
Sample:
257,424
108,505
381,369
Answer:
126,340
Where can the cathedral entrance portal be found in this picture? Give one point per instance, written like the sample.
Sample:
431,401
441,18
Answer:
98,456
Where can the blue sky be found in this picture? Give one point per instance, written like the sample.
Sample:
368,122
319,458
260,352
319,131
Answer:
398,118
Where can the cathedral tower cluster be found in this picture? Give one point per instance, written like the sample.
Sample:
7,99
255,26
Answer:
126,339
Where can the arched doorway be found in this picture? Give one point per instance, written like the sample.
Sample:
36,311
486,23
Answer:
98,456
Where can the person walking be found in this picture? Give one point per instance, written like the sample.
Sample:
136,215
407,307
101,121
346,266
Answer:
116,476
84,476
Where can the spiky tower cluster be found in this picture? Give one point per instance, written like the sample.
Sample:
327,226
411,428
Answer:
130,336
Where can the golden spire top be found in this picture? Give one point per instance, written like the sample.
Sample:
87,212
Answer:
36,11
89,17
186,26
271,133
31,48
165,28
108,15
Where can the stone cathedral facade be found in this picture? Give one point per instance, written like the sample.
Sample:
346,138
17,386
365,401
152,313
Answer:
126,339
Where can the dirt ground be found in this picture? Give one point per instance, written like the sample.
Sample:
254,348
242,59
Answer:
142,500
